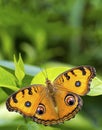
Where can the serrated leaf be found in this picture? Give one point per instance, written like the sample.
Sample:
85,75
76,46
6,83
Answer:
20,63
19,69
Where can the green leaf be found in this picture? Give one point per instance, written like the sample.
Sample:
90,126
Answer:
7,74
33,125
96,87
50,73
7,79
19,69
3,95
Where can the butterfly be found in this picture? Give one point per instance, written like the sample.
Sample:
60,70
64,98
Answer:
56,102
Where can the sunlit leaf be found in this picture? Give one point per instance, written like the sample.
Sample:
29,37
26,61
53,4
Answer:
96,87
50,73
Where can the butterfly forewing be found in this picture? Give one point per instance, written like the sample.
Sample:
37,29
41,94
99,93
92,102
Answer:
26,100
76,80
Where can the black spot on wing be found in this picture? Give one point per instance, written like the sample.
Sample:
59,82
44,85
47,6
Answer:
62,79
67,76
30,91
14,98
78,83
22,91
27,104
73,72
36,89
83,70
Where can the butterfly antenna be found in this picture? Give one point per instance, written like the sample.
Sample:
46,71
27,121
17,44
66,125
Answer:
44,72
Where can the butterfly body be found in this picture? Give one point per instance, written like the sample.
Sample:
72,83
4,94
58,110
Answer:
57,101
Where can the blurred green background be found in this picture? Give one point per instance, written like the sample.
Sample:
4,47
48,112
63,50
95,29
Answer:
55,32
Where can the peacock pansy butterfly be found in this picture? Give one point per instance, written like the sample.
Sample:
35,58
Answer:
55,102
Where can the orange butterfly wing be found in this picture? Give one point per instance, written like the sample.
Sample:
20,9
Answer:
36,102
57,109
25,101
76,80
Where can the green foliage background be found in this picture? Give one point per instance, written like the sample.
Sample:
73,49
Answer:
49,33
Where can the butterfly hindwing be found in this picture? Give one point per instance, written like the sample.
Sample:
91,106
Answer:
61,106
